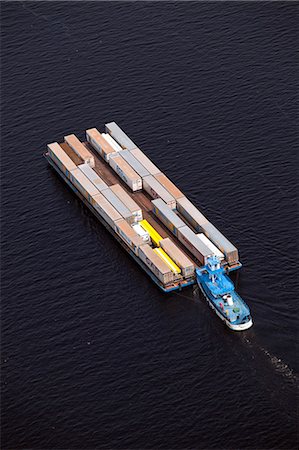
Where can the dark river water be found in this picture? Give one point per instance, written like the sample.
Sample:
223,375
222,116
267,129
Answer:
94,356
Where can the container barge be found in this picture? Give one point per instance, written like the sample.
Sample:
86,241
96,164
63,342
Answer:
150,217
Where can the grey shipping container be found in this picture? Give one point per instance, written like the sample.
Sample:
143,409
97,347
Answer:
82,183
229,250
156,190
167,216
191,213
178,257
145,161
120,136
127,200
119,206
93,177
134,163
156,264
106,210
193,244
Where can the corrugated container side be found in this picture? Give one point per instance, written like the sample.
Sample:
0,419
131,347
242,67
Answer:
134,163
167,216
198,249
112,142
169,186
168,261
156,265
80,149
106,210
178,257
210,244
119,135
100,144
141,232
129,235
145,161
93,177
191,213
230,251
59,156
156,190
82,183
125,172
127,200
119,206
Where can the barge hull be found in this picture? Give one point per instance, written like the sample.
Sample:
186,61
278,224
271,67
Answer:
172,287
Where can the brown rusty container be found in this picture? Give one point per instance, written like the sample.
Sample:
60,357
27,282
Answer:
99,143
129,235
80,149
156,264
178,257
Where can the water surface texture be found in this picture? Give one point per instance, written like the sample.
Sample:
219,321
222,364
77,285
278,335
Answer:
94,356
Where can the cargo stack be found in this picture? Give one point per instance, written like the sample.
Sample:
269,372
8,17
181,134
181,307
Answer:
229,250
134,163
168,261
112,142
129,235
93,177
145,161
211,246
127,200
125,172
193,216
142,233
119,206
195,246
156,190
176,254
154,235
100,144
63,161
170,219
106,210
155,264
84,186
169,186
80,149
120,136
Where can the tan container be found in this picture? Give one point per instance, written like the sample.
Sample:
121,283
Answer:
196,247
178,257
156,264
125,171
79,149
127,200
128,235
168,185
106,210
99,143
145,161
82,183
59,156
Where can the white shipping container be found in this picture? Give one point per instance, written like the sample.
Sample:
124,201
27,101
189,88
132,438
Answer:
59,156
211,246
156,264
196,247
93,177
145,161
141,232
100,144
82,183
127,200
125,171
120,136
230,251
80,149
112,142
106,210
156,190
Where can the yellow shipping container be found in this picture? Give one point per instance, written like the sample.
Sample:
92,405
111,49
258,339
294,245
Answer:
171,264
155,236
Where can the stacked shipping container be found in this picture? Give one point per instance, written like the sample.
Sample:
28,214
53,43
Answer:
125,171
80,149
100,144
178,257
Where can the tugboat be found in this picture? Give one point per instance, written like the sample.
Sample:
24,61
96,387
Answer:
220,293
